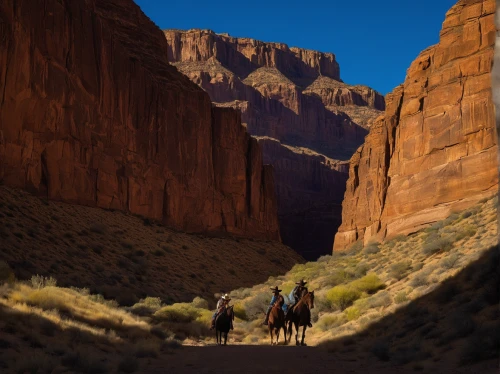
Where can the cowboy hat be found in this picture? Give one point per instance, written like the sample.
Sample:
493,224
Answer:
301,283
226,297
275,289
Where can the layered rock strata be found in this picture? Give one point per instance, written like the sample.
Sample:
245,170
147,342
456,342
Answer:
92,113
435,149
295,103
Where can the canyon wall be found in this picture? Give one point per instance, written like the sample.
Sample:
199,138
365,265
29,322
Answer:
435,149
294,102
92,113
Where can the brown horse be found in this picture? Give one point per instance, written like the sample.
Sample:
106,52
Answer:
277,320
300,315
223,324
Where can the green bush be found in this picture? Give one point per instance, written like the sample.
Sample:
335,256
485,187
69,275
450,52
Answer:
341,297
337,277
239,312
353,248
198,302
400,269
180,312
370,283
352,313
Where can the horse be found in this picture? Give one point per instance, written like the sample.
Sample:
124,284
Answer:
276,320
223,324
300,316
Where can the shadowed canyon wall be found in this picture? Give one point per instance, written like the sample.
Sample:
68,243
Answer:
92,113
435,149
306,119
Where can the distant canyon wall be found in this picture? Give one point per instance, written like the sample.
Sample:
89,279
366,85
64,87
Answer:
305,117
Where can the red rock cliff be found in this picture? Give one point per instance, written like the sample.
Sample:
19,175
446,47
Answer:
294,102
92,113
435,149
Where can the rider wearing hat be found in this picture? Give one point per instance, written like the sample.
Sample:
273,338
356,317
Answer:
296,295
221,305
276,297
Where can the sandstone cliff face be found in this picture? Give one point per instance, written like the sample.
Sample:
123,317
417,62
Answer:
92,113
294,102
435,149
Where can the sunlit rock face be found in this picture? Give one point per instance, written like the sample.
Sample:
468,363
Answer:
435,149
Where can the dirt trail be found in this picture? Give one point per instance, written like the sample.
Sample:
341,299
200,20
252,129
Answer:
243,359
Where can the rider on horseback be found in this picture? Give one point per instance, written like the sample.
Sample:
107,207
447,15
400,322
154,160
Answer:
296,294
276,298
221,306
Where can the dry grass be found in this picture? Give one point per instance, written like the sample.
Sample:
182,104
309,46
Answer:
348,301
124,257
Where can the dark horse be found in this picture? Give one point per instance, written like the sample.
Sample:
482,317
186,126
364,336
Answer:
300,315
223,324
277,320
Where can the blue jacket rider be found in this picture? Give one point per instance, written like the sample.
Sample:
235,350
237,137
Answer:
276,297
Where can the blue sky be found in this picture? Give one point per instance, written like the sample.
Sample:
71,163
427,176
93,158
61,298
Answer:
374,40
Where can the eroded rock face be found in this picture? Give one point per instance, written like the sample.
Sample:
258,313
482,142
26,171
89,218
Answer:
435,149
305,117
92,113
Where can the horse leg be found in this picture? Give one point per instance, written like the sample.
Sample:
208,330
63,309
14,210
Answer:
284,334
225,338
278,335
271,333
289,330
303,335
297,327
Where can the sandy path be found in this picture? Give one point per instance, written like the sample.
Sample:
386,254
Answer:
243,359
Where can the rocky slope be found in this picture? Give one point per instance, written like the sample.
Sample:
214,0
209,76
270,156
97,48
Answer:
289,98
92,113
435,149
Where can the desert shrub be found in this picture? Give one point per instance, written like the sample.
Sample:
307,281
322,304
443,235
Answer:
352,313
341,297
370,283
450,261
398,238
400,269
199,302
371,248
6,273
239,312
466,232
353,248
401,297
361,269
337,277
180,312
419,280
329,321
39,281
451,218
433,246
419,265
382,298
324,258
257,305
98,298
